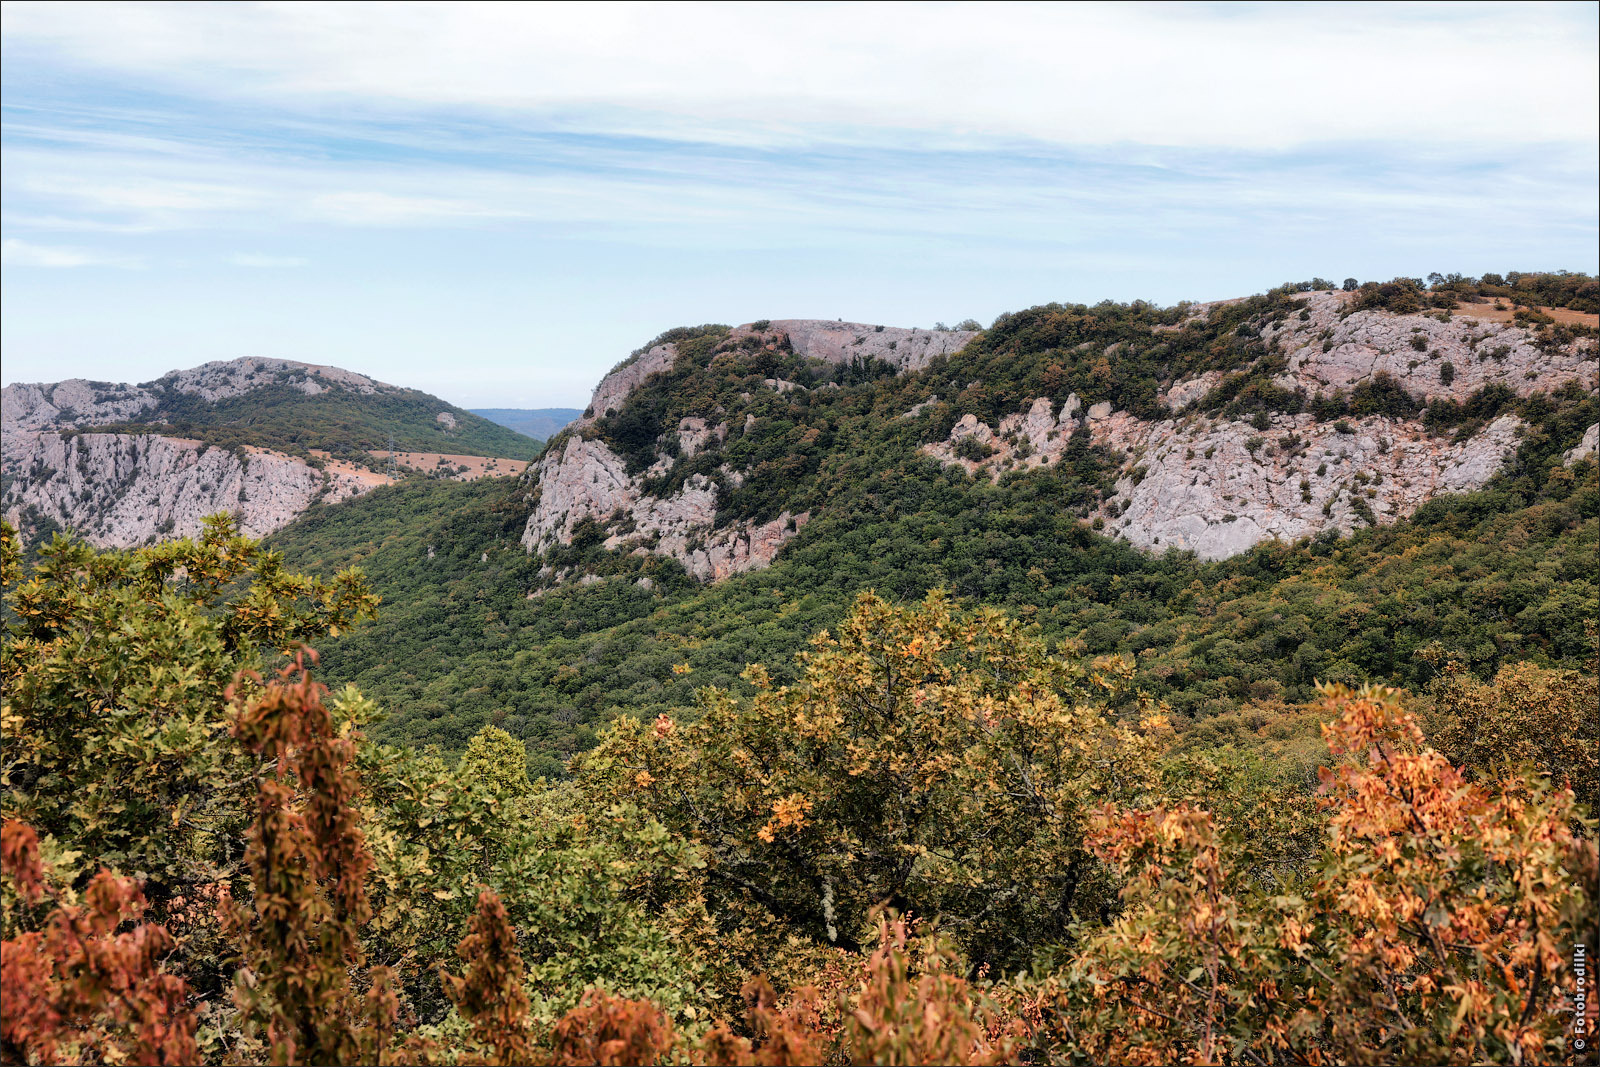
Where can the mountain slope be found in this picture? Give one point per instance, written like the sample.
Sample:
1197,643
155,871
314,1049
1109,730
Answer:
126,464
594,622
1207,427
270,403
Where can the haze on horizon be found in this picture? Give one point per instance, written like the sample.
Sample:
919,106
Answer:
495,203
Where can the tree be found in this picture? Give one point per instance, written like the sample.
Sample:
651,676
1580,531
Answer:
115,667
928,759
1440,928
496,761
1547,721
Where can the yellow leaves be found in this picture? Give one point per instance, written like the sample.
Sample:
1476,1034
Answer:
664,727
644,779
789,813
682,668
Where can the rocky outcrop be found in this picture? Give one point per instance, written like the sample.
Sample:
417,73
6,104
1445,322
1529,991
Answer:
1431,355
121,490
81,403
1218,487
841,342
1589,446
586,480
832,342
582,478
624,378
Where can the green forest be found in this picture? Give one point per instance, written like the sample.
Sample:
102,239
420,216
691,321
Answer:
473,631
343,422
946,839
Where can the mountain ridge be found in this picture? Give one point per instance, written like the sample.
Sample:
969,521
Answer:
265,439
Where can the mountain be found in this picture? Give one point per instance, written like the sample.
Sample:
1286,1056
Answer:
126,464
541,423
1245,496
1209,428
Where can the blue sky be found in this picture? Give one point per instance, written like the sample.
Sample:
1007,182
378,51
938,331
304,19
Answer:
497,202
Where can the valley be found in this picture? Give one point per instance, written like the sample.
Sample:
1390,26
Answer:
906,615
1170,525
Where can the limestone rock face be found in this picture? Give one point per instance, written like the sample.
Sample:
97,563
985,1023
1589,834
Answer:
1586,447
1329,351
1219,487
81,403
586,480
122,490
615,387
840,342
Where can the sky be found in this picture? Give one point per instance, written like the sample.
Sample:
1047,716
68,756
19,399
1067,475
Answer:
497,202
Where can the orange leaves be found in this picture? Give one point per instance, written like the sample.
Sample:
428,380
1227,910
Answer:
788,813
1437,929
19,858
490,995
308,863
78,983
607,1030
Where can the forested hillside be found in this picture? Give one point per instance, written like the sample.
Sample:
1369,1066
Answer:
476,631
962,774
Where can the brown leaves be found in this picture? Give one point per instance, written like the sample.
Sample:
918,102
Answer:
490,995
607,1030
308,864
1438,929
78,984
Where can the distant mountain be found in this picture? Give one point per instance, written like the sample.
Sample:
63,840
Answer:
543,423
265,438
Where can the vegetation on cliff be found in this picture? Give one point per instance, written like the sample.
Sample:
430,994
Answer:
343,422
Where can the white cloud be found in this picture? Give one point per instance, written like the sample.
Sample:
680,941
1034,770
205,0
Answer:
1242,76
18,253
250,259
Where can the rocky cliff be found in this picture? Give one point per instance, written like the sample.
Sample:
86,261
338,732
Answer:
1218,487
586,480
77,402
581,477
1196,481
308,436
121,490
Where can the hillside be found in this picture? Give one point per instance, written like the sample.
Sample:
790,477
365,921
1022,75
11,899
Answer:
1401,548
269,403
1202,427
540,423
127,464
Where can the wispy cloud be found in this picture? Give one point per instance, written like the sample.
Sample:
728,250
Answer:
1250,75
574,178
19,253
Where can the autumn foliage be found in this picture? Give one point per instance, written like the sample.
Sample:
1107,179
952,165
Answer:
78,988
942,844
